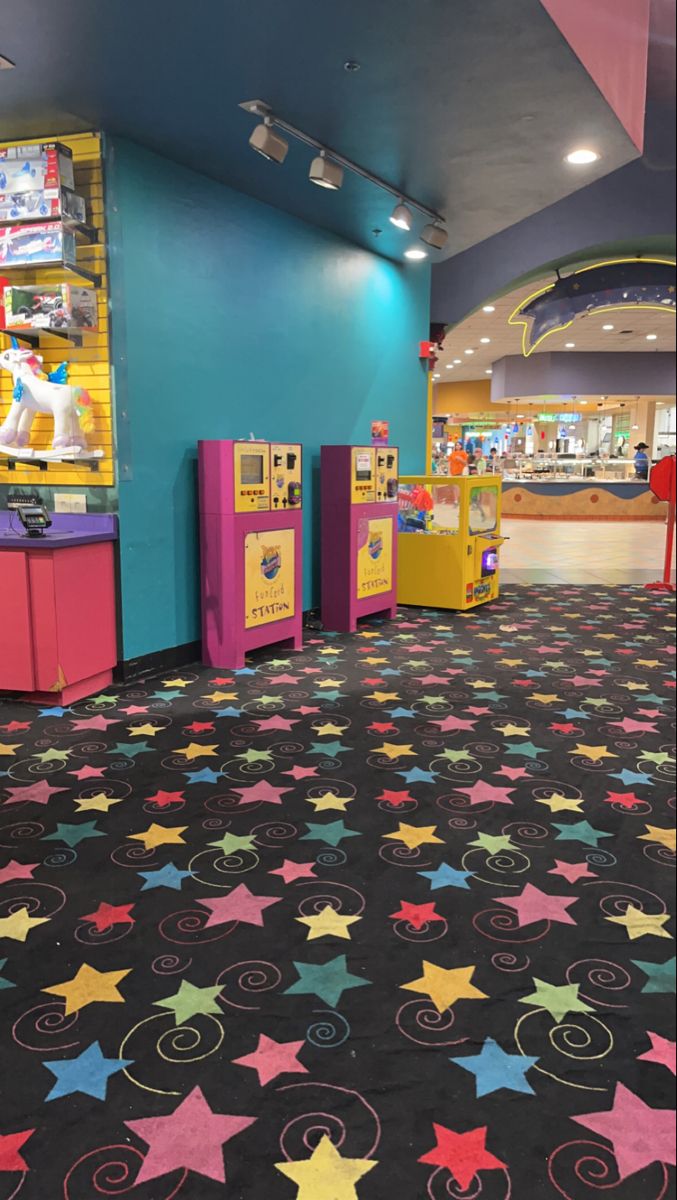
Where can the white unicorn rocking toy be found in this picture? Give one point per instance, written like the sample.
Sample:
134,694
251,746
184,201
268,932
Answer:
70,407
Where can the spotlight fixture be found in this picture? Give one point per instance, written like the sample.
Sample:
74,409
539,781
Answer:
268,143
6,64
582,157
450,366
325,173
415,255
401,217
435,235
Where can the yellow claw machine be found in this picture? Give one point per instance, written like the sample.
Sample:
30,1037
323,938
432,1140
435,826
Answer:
448,541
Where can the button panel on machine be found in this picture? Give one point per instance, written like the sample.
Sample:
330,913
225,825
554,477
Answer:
285,476
387,473
363,475
251,477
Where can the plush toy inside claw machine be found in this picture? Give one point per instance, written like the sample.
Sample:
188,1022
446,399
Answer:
449,538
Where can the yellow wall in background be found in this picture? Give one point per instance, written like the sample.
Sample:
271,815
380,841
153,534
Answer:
89,366
471,397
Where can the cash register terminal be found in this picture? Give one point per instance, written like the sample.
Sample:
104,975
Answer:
35,519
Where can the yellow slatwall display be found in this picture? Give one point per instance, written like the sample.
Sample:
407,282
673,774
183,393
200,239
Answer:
89,366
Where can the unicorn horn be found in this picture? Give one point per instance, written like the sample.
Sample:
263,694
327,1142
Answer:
15,344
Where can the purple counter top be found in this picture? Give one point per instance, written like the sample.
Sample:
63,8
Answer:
67,529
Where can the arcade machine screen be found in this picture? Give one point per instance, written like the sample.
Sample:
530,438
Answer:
251,469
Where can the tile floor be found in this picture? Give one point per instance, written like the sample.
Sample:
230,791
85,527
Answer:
583,552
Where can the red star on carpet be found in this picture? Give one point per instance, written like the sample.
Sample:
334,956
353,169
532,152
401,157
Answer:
108,915
199,727
382,727
191,1137
639,1135
88,773
271,1059
572,872
164,799
564,727
417,915
15,726
625,799
373,682
290,871
463,1154
395,798
221,679
10,1145
534,905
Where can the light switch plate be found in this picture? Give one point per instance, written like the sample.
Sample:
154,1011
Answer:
67,502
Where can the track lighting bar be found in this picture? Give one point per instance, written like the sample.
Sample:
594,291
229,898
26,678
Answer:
259,108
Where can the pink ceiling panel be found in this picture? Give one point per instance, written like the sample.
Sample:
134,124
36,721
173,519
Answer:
611,38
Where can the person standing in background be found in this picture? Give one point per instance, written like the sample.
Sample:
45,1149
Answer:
458,459
478,463
641,461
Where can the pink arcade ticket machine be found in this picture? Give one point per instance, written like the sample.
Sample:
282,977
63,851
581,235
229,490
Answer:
359,487
251,541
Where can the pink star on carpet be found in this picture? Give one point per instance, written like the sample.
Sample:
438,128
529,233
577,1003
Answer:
572,872
191,1137
429,679
513,772
17,870
271,1059
291,871
663,1052
98,722
34,793
482,793
239,905
134,710
448,724
640,1135
108,915
301,772
88,773
547,649
306,711
261,793
164,799
583,681
311,671
628,725
284,679
477,711
282,723
534,905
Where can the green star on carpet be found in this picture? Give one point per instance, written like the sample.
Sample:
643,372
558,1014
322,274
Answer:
582,831
254,756
329,749
191,1000
131,749
659,757
52,755
328,981
455,756
72,835
661,976
433,700
493,844
527,749
332,833
5,983
558,1001
270,700
230,843
87,1074
99,701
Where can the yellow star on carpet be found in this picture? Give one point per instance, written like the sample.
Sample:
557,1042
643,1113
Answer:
607,637
391,750
383,697
445,987
174,683
372,633
374,662
330,651
514,731
558,803
488,637
195,750
329,683
89,986
144,730
511,662
6,749
160,835
328,923
594,753
482,684
634,687
415,835
647,662
327,802
217,697
19,924
542,698
640,924
325,1175
98,803
328,729
666,837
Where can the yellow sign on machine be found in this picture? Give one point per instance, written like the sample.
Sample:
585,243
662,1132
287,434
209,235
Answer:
269,576
449,536
374,557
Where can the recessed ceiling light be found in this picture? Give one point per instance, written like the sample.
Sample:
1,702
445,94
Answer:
570,345
583,402
652,337
401,217
488,371
468,351
635,427
458,361
607,328
485,341
437,376
450,366
582,157
489,308
415,255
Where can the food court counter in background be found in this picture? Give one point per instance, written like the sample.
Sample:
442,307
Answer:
580,500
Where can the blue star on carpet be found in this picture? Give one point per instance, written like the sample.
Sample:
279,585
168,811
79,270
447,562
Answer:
494,1069
88,1073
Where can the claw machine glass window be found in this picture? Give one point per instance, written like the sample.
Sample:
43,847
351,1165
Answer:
483,514
429,508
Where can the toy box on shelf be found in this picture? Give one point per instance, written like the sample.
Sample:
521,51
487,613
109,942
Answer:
35,245
34,206
32,183
59,306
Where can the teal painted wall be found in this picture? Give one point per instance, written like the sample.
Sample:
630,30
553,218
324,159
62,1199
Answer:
231,317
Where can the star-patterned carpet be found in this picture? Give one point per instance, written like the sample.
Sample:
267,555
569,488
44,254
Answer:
392,917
